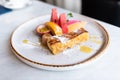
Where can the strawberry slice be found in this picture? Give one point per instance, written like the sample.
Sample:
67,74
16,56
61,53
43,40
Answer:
63,23
54,16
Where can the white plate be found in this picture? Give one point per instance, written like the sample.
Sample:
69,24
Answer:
40,57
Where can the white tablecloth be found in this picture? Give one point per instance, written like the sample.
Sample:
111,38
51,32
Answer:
107,67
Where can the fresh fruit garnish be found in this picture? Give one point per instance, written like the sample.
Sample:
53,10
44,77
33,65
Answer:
42,29
72,21
54,16
54,28
63,23
70,14
75,25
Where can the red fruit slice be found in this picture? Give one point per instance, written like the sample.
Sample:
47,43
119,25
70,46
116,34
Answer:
74,25
72,21
63,23
54,16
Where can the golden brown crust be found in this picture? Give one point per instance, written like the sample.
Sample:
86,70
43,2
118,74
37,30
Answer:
56,46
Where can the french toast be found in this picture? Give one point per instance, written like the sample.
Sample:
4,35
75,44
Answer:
61,33
73,38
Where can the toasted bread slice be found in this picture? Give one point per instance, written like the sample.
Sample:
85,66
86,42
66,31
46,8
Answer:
56,46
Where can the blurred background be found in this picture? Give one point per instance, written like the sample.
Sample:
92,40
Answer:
104,10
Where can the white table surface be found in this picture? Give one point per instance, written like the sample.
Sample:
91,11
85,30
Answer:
107,67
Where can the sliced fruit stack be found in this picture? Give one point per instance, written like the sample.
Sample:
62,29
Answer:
58,26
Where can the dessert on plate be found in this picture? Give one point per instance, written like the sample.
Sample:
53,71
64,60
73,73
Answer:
60,33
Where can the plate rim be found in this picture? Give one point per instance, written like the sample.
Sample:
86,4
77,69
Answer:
97,54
